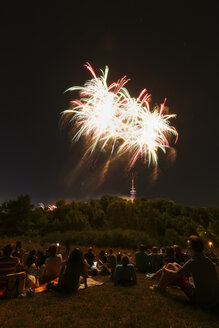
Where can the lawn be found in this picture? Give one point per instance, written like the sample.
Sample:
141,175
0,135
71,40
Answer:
106,306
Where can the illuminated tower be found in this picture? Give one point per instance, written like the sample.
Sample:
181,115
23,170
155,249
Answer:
132,191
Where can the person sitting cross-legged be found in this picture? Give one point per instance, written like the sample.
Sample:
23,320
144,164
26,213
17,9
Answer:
8,264
90,256
75,268
204,290
19,251
53,265
142,260
111,262
180,255
156,260
124,273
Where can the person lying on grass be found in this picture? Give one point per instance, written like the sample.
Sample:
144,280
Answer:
124,273
75,267
204,290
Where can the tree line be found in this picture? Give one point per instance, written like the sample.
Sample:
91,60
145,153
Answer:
110,219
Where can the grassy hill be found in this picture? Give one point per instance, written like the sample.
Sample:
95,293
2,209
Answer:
107,306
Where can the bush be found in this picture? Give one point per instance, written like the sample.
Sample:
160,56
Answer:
106,238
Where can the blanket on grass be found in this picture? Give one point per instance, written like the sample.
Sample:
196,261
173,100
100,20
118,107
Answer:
90,283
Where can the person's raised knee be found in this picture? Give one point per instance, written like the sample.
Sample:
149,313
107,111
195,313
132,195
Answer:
169,266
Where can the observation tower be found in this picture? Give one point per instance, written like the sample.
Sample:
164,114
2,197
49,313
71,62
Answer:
132,190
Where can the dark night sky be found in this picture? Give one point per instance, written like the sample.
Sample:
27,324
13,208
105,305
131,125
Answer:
43,51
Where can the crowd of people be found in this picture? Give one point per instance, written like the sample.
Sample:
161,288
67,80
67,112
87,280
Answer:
193,270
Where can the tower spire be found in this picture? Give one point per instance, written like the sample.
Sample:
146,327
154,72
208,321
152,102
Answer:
132,191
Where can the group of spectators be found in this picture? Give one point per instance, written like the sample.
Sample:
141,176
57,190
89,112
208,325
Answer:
192,271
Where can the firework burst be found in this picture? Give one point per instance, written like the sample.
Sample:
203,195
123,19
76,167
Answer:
108,115
97,113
